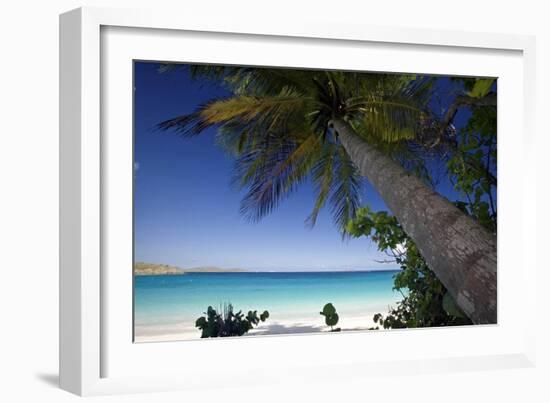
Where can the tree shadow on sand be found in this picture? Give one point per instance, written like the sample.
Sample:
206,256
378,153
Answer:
277,328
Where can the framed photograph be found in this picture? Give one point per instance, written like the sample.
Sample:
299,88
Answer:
235,191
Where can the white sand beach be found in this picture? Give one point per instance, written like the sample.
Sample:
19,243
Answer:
156,333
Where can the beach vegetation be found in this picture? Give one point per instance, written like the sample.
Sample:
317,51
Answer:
426,302
331,316
227,322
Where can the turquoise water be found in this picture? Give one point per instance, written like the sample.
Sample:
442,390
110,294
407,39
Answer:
180,300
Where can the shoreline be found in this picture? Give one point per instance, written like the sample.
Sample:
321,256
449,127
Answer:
183,272
178,332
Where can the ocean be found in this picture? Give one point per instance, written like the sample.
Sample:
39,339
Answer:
166,307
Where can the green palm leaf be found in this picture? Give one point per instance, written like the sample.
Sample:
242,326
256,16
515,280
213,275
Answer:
276,125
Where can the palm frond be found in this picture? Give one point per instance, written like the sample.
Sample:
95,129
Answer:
272,170
248,108
390,120
323,177
267,81
244,108
209,71
336,180
276,126
392,114
345,199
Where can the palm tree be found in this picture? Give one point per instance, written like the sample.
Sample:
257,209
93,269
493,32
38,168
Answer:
337,127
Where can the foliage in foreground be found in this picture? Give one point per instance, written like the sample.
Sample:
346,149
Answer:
228,323
331,317
471,168
426,301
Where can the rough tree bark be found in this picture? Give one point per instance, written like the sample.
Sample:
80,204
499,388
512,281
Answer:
459,250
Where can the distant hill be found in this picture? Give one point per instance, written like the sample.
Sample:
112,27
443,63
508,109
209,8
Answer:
152,269
211,269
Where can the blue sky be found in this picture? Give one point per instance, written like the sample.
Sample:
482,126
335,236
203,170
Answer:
187,211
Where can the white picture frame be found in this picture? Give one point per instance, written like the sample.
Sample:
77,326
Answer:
91,342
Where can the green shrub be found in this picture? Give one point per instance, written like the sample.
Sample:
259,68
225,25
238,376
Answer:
228,323
331,317
426,302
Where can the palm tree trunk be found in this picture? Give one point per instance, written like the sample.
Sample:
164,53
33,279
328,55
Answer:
459,250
